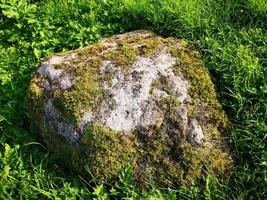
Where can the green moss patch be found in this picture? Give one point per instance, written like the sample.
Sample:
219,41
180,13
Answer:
109,152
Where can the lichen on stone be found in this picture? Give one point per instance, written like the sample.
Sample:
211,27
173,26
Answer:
109,151
137,99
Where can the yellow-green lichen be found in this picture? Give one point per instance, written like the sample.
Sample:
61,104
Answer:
85,94
162,83
36,95
170,104
125,55
149,46
207,158
201,89
161,160
111,151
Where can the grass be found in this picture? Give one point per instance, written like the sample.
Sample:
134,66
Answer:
232,38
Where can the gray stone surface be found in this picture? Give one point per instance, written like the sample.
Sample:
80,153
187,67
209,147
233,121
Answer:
132,93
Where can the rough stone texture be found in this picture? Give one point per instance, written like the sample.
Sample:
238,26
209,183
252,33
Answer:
137,99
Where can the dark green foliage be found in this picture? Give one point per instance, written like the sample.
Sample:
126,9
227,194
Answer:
232,37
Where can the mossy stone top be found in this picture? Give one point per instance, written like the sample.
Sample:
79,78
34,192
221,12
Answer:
133,99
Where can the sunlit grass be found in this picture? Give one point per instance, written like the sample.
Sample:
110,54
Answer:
232,38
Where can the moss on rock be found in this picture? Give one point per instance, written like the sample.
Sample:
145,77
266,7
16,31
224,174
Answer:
136,99
110,151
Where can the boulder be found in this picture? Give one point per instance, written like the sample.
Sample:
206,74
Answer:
135,99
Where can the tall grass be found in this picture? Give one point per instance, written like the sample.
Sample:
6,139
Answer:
232,38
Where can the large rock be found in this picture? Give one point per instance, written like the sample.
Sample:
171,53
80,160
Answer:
136,99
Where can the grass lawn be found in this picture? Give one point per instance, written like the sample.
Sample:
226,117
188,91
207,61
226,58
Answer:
231,36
